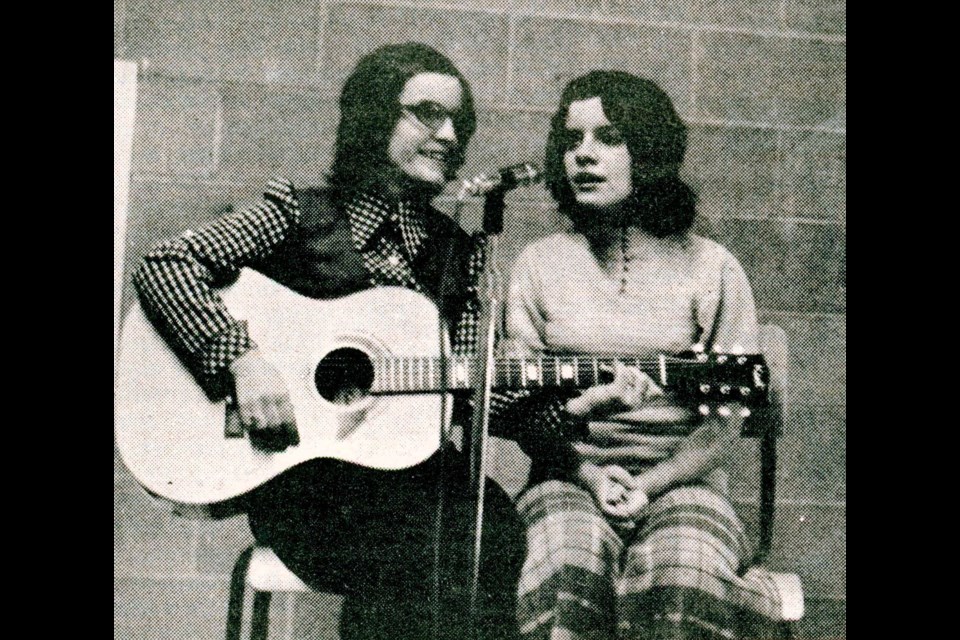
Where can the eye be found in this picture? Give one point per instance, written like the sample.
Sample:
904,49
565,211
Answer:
430,113
569,139
609,135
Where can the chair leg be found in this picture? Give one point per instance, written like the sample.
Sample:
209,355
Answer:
260,621
238,580
786,630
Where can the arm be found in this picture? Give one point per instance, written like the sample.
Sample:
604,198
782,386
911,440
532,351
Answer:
699,453
177,280
177,283
729,317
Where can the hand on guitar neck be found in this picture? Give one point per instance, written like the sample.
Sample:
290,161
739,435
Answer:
263,403
629,389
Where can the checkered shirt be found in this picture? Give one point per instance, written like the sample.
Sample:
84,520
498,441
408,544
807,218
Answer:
177,282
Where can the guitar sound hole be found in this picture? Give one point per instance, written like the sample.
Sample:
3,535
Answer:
344,376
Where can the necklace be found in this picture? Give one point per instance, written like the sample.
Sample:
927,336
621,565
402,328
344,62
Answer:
624,260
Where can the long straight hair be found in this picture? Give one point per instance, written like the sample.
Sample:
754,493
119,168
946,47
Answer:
370,108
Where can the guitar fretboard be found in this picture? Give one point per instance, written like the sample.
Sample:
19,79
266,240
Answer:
399,375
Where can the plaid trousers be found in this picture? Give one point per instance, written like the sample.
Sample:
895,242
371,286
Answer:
676,574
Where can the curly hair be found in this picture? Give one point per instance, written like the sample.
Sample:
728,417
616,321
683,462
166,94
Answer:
660,203
369,110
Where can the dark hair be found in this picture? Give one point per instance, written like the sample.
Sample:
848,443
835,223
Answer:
369,110
661,203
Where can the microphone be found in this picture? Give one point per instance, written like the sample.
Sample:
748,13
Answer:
518,175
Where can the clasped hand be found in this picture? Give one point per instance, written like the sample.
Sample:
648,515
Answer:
263,403
614,489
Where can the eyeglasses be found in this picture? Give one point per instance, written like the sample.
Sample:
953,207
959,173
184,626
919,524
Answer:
430,114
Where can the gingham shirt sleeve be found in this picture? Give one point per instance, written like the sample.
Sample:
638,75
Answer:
176,281
536,420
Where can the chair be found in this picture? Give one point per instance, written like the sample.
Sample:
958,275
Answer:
766,425
262,570
259,567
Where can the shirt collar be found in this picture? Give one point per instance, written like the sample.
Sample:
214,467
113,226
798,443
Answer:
369,210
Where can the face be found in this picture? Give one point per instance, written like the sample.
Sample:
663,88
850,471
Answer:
596,159
423,140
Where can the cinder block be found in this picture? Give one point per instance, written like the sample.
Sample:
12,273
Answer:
493,5
823,619
558,7
212,10
176,128
809,540
782,81
736,171
816,175
171,609
317,615
159,210
219,543
475,42
812,462
817,16
224,48
549,53
742,13
818,357
792,266
146,539
119,11
503,138
508,465
269,132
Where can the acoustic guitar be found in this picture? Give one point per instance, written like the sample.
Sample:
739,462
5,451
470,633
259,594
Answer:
365,378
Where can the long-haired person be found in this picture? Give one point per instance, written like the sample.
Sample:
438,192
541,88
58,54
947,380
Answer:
406,116
633,536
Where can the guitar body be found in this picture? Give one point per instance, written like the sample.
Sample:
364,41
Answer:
177,443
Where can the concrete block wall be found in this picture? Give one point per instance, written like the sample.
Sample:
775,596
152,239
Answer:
234,92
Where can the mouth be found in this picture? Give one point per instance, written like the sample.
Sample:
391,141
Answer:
438,156
587,181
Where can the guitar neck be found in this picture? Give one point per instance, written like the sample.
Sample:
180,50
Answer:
424,375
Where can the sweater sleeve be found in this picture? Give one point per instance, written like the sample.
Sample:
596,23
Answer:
731,305
176,282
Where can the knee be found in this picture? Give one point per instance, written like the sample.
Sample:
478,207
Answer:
693,499
546,500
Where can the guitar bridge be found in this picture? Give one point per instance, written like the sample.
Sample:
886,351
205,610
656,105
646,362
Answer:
232,427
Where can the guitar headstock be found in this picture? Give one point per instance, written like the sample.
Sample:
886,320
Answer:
721,377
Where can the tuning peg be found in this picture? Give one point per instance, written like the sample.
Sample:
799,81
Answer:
744,412
697,348
744,391
723,411
704,410
725,389
704,388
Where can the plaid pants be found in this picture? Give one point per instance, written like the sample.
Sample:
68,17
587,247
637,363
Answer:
675,575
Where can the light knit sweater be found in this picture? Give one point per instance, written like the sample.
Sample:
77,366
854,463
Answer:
644,297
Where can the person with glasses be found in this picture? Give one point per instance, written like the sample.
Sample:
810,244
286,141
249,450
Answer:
406,116
634,536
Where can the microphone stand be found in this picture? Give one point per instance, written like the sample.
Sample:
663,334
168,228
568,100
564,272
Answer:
475,441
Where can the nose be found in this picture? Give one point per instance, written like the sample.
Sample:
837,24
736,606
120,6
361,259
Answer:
446,132
585,152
